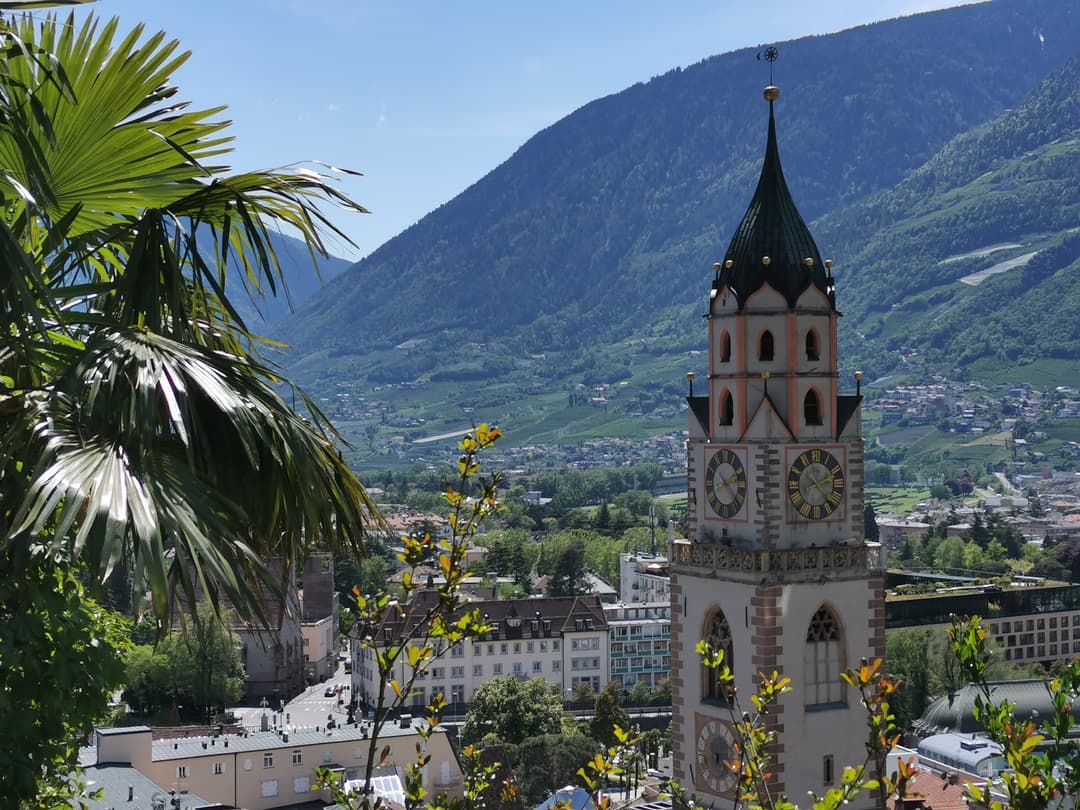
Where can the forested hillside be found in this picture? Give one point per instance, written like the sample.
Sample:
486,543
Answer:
584,259
972,260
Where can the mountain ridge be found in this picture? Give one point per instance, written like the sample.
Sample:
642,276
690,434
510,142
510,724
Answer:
584,259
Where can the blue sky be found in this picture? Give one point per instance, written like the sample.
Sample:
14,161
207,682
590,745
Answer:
425,98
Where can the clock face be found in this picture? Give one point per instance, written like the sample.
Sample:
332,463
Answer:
725,482
816,484
715,755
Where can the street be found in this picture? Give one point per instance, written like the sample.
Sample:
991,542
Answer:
312,707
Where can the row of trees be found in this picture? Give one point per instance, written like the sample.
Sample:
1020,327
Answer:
991,546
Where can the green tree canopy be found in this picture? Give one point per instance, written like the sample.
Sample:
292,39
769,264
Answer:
198,667
547,762
511,711
607,714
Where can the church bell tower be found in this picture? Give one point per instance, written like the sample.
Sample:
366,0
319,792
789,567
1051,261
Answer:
775,569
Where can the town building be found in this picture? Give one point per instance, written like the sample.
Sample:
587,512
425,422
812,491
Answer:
954,713
775,571
644,577
639,643
273,657
262,770
1030,621
319,618
561,639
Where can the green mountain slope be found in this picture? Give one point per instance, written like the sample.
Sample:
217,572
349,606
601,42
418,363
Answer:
971,263
571,279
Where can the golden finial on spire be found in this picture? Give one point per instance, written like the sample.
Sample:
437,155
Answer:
772,92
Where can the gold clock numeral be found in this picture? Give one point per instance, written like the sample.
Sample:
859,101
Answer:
816,484
725,483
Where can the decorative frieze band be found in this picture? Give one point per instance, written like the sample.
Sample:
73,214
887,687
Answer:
796,561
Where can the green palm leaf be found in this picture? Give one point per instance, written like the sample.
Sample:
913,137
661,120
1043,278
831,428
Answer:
138,418
154,443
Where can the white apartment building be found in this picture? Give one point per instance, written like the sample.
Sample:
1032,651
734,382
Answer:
320,647
640,643
561,639
643,577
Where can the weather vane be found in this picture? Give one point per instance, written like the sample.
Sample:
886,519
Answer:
769,55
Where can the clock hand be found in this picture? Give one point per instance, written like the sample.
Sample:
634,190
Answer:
818,483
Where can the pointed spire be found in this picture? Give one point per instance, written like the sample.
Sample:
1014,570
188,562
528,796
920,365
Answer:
772,243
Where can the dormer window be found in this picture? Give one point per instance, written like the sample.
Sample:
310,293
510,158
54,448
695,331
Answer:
813,352
812,408
725,348
765,347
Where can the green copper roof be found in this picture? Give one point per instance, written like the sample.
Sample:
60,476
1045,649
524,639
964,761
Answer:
772,227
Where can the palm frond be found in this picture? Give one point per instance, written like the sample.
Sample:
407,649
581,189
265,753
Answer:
153,442
119,144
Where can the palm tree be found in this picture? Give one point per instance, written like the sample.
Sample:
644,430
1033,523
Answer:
138,421
137,417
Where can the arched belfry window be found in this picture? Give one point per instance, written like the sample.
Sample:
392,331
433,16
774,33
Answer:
718,637
727,408
813,347
823,660
725,348
765,347
812,408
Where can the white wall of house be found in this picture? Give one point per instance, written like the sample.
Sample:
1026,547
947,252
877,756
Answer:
320,647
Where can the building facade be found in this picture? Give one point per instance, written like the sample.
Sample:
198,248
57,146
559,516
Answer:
270,769
1030,622
644,577
319,618
562,639
775,570
639,643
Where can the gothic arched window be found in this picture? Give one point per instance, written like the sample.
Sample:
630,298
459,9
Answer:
765,346
823,660
725,348
727,408
718,637
813,349
812,408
